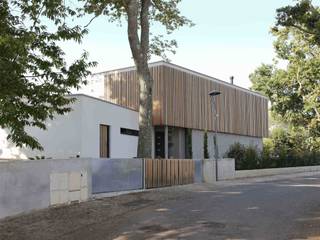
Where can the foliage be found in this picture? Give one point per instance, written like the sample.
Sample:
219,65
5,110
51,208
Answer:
188,138
294,92
34,76
304,16
205,145
282,149
245,157
165,13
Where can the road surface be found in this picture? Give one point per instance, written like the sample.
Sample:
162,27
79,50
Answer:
281,209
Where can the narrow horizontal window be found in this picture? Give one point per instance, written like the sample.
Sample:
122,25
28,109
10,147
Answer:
130,132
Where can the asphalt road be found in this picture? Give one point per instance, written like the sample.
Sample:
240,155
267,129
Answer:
281,209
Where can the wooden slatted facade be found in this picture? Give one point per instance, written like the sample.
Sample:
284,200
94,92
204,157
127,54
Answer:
180,99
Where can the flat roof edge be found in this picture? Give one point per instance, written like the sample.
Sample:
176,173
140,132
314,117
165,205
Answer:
100,99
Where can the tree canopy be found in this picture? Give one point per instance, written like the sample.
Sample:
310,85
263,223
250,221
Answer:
294,91
304,16
34,77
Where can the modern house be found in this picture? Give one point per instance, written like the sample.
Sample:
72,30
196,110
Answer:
105,124
182,109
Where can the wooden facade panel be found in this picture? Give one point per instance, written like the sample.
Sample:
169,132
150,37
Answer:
104,141
181,99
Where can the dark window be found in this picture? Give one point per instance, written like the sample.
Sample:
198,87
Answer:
159,143
130,132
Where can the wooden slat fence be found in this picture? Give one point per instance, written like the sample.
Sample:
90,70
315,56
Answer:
168,172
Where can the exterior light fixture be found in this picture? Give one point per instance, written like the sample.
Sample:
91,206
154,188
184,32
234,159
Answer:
213,95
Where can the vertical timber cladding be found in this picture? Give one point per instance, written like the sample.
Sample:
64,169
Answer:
180,99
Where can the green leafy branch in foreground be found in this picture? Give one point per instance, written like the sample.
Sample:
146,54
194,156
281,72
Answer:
34,77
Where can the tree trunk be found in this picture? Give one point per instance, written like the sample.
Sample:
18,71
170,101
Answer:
145,112
140,49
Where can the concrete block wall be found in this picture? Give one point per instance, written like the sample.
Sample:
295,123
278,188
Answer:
29,185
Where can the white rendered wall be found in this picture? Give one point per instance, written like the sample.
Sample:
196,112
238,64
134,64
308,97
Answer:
224,143
77,132
96,112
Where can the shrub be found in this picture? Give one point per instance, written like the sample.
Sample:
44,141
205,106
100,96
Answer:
188,139
205,145
245,157
284,148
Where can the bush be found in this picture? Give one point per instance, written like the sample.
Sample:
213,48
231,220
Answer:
245,157
205,145
284,148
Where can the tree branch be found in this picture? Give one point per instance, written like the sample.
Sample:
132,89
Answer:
85,26
132,12
302,29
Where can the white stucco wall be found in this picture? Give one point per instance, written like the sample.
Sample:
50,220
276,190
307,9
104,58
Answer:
224,143
96,112
77,132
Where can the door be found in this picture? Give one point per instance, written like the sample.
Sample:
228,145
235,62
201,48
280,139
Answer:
159,144
104,141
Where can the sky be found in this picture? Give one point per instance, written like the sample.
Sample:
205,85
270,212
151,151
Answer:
230,38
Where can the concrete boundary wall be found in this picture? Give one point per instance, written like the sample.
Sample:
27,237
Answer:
27,185
30,185
274,171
